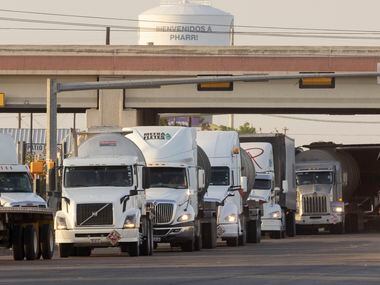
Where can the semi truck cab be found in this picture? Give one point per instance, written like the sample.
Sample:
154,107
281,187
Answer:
319,196
173,191
103,199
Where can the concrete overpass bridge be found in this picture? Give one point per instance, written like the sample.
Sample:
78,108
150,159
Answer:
24,70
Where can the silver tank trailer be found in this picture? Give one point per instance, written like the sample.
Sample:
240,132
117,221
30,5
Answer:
350,169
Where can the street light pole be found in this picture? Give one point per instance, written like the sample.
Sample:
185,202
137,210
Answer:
51,137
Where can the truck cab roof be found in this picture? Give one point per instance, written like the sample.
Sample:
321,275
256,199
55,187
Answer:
101,161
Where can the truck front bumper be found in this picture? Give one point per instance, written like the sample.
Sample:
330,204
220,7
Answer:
328,219
270,225
230,230
173,234
96,237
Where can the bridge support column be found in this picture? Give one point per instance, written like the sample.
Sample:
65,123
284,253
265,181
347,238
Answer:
111,112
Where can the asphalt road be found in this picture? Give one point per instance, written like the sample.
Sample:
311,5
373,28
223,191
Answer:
324,259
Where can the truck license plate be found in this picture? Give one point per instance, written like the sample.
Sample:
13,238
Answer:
156,239
95,240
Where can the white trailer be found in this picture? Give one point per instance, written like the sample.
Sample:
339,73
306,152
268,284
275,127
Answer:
26,224
274,158
103,197
178,184
228,186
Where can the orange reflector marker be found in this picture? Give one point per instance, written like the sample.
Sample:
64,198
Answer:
317,82
216,86
2,100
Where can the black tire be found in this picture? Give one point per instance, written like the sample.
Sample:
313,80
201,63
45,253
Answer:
188,246
338,229
291,224
18,242
209,236
254,231
31,242
133,248
83,251
47,241
232,242
146,247
243,232
276,234
198,237
65,249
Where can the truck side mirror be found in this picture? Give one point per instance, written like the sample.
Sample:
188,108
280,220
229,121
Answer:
285,186
201,178
277,190
145,177
244,184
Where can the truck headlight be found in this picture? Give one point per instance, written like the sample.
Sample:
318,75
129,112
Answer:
276,215
130,222
184,218
61,223
338,209
231,218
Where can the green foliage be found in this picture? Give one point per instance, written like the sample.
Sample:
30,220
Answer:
246,128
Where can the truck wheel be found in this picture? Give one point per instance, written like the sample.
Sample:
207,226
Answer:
198,237
276,234
188,246
209,236
147,243
243,232
18,242
31,242
47,241
65,249
338,229
254,231
291,224
83,251
133,248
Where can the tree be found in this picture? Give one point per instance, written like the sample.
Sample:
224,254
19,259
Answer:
246,128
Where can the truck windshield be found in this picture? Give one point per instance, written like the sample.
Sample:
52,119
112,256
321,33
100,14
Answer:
98,176
307,178
12,182
220,176
262,184
168,177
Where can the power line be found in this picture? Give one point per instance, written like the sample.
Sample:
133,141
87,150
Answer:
185,23
322,120
118,28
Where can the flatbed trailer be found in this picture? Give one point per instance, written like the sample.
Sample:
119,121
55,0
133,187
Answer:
28,231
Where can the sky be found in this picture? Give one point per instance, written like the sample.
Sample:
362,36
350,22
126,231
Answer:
329,15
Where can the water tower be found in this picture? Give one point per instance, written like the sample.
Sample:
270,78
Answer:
186,22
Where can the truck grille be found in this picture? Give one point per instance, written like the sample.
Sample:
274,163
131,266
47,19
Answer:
314,204
163,213
94,214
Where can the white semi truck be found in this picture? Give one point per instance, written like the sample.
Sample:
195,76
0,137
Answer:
263,190
179,172
237,221
274,158
103,197
26,223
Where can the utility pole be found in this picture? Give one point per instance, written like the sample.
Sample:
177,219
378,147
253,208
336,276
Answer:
108,36
51,141
31,136
19,120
